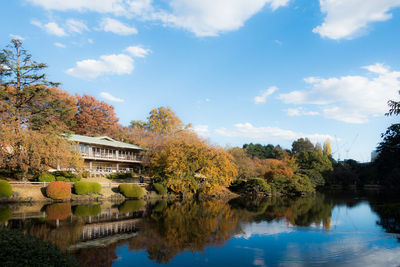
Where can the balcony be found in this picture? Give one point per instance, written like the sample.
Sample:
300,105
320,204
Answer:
112,157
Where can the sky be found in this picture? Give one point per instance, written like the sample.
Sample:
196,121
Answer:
261,71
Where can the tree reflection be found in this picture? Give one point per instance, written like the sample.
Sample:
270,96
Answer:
389,217
188,226
298,212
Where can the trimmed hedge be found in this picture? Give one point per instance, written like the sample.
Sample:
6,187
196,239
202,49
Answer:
58,211
87,210
46,177
85,174
131,206
5,189
18,249
58,190
160,189
121,175
131,190
84,188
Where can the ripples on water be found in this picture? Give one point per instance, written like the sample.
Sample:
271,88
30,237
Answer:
329,230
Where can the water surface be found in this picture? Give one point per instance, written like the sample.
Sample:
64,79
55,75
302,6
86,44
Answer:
342,229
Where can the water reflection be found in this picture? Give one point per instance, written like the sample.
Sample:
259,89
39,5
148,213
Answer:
103,234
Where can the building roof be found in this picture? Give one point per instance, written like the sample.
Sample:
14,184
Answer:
101,140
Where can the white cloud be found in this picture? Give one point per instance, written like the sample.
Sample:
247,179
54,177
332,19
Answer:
300,112
90,41
202,17
202,130
262,98
107,64
110,97
352,99
117,27
76,26
60,45
51,28
212,17
101,6
137,51
348,18
16,37
266,133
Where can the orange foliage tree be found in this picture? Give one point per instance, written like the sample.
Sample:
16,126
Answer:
94,117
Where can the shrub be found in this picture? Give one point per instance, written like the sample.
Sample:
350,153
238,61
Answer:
58,211
5,189
87,210
84,188
58,190
160,189
257,185
131,190
5,214
86,174
62,178
237,185
18,249
46,177
131,206
68,175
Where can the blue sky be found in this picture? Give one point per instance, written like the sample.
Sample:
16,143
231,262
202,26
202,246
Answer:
267,71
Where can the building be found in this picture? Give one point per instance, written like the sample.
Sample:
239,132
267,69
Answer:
103,154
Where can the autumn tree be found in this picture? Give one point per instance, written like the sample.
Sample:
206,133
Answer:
94,117
164,121
327,147
25,151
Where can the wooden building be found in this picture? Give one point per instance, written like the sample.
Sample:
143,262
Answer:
103,154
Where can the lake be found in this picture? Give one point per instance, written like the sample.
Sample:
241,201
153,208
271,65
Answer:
331,229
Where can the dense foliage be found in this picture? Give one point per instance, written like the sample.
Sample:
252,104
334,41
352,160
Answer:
18,249
160,188
85,188
131,190
46,177
5,189
58,190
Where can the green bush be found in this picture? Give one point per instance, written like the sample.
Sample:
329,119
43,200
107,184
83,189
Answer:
84,188
85,174
237,185
131,206
160,189
257,185
46,177
58,190
121,175
68,175
5,189
18,249
131,190
87,210
5,214
62,178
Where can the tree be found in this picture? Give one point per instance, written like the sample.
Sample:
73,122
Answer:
24,151
302,144
163,121
327,147
26,97
94,117
394,107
